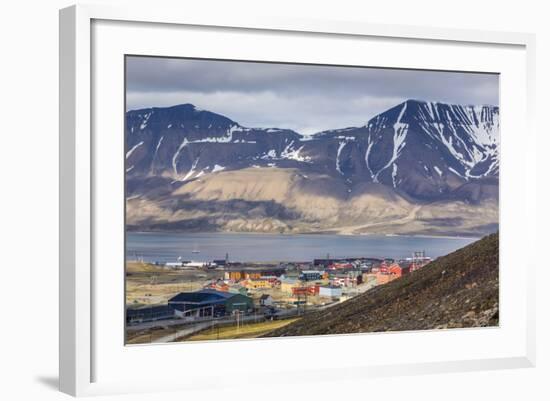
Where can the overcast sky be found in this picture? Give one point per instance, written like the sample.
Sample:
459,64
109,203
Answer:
304,98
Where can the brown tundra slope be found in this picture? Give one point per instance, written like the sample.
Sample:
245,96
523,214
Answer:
457,290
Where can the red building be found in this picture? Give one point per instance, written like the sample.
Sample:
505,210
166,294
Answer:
219,286
337,266
305,290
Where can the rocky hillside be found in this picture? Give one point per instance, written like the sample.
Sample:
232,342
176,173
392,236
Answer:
457,290
419,167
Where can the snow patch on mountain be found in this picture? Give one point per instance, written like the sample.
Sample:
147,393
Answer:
340,147
145,120
191,171
175,157
129,153
400,130
290,153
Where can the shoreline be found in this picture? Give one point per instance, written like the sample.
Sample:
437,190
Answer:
251,233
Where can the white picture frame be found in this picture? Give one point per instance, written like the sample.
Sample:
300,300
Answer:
83,344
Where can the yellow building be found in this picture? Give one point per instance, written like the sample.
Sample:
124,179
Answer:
288,284
258,283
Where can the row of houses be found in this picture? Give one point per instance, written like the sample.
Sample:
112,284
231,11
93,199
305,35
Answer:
220,285
389,272
328,263
300,288
237,274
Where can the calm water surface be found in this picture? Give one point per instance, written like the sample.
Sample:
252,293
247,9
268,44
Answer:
204,247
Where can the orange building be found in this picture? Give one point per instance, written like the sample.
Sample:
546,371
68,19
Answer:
234,275
383,278
399,270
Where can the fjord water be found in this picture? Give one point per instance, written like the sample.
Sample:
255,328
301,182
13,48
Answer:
205,247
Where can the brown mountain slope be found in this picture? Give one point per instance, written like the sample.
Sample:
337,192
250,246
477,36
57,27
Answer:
457,290
286,200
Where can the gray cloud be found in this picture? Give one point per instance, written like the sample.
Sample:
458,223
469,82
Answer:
306,98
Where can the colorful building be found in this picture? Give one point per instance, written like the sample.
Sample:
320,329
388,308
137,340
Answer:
305,290
258,283
383,278
311,275
237,274
399,269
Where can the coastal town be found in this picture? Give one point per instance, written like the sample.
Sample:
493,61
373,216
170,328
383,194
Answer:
223,299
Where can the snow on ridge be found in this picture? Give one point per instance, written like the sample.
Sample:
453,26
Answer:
217,168
455,172
438,170
271,154
192,170
288,153
158,146
340,147
175,158
145,120
225,139
156,151
308,137
291,153
470,133
244,141
129,153
367,154
394,174
400,134
402,113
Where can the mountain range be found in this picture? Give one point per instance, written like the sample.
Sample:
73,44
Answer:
417,168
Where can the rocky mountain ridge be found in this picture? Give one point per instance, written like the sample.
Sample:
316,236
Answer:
432,156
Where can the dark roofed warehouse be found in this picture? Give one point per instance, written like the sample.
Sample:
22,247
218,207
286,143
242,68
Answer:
149,313
209,303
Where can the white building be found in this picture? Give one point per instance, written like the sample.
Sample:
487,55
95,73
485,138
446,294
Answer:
195,264
330,291
266,300
173,265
